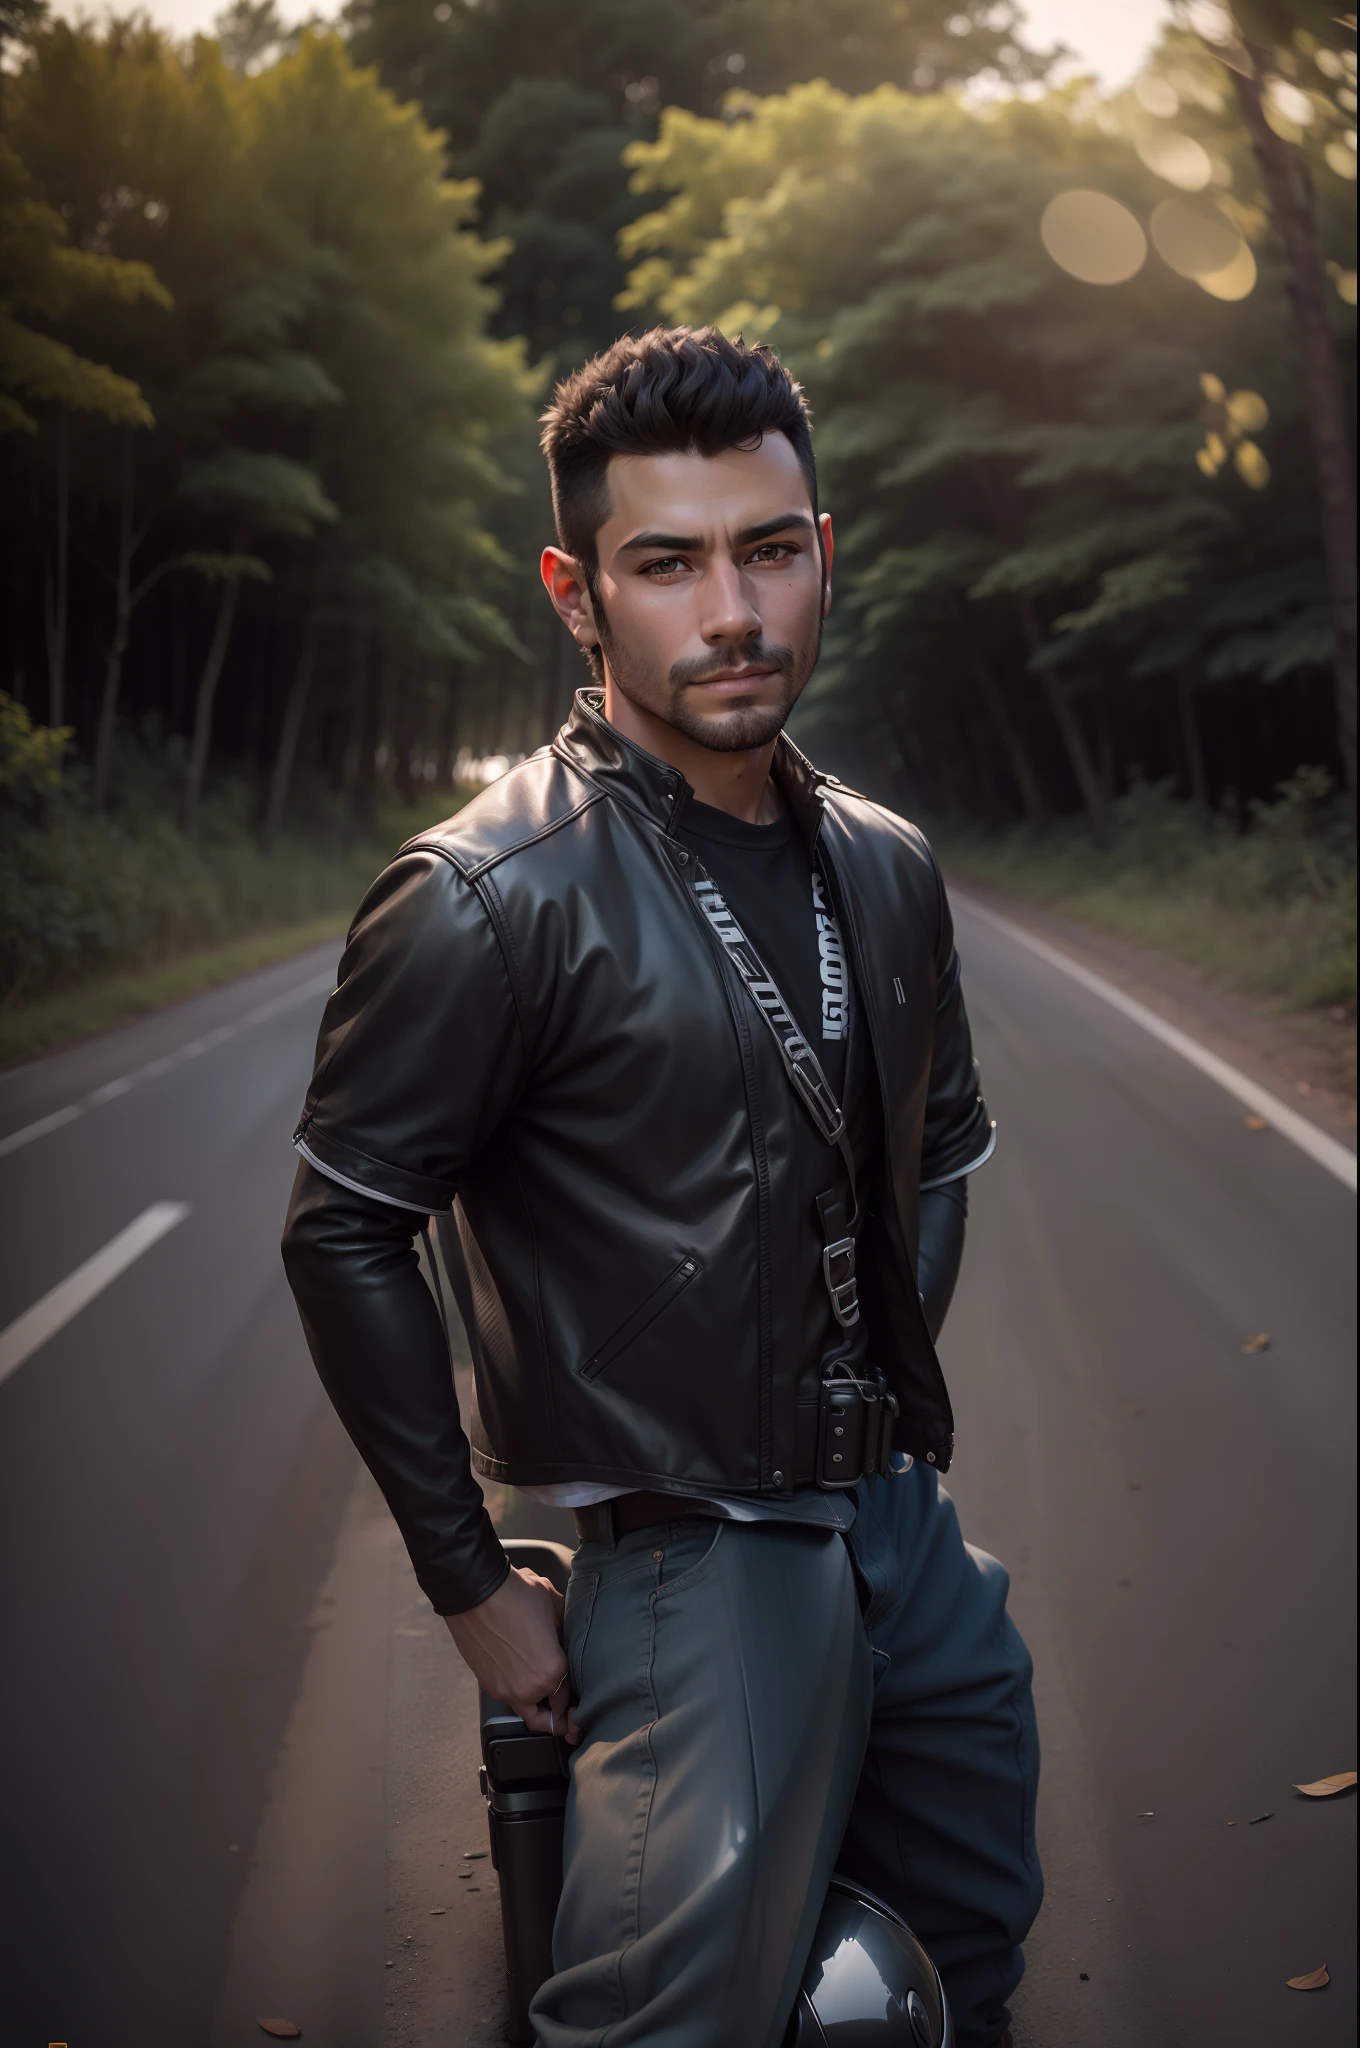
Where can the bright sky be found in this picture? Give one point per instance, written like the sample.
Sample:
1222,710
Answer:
1109,36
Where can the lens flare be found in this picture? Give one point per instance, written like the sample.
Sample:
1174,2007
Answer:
1195,240
1177,158
1234,281
1093,237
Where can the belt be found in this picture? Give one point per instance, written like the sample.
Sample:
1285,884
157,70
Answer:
631,1511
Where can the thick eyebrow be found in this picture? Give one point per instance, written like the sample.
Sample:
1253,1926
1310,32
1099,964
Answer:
691,543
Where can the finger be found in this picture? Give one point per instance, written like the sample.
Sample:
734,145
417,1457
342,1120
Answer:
534,1716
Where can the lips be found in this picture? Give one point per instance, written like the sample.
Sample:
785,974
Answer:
734,680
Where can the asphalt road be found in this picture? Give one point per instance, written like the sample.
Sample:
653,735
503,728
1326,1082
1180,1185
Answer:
190,1584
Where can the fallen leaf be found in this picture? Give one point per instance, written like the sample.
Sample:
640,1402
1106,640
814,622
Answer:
1232,1823
1255,1123
1144,1816
282,2030
437,1911
1257,1818
1327,1788
1260,1342
473,1855
1314,1980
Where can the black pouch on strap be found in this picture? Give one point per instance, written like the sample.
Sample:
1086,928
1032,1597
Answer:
855,1427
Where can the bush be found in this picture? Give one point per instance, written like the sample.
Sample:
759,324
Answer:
1269,910
81,895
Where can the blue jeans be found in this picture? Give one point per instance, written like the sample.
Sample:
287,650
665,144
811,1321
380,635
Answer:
763,1702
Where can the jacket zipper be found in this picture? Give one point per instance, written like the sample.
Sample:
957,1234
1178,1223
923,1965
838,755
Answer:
642,1317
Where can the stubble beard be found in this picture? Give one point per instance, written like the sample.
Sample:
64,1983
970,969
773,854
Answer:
743,725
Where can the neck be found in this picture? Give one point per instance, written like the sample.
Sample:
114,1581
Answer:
738,783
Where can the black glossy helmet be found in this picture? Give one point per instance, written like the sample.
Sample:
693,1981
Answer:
868,1983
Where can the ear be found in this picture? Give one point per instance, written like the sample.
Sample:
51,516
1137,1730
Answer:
829,552
566,587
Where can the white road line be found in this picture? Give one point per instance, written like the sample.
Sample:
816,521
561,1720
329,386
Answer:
1327,1152
320,984
40,1129
33,1328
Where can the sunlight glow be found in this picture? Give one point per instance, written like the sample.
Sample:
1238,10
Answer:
1093,237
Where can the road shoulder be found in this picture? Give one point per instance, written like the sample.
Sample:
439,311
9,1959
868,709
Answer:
1309,1059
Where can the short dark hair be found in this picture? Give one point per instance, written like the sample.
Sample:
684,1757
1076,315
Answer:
675,391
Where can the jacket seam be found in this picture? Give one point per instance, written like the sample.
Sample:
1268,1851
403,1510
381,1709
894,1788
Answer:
356,1187
760,1159
495,909
538,1302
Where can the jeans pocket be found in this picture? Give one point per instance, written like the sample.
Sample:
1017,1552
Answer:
580,1606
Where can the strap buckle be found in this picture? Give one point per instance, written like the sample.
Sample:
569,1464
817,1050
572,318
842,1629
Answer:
838,1270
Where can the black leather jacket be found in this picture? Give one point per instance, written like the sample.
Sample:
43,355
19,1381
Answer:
535,1022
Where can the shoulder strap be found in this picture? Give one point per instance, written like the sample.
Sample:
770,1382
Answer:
809,1084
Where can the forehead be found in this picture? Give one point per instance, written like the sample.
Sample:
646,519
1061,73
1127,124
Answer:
703,494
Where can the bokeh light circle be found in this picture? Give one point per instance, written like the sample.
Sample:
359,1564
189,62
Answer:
1196,240
1177,158
1234,281
1093,237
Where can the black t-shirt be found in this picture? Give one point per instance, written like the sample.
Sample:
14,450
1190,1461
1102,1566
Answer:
766,876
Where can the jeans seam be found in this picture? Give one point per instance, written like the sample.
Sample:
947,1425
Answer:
641,1822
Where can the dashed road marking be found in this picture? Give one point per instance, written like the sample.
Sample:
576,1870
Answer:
110,1090
32,1329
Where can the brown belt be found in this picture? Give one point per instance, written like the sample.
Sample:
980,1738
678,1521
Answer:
630,1511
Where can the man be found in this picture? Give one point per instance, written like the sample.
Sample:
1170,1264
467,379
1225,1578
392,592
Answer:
609,1014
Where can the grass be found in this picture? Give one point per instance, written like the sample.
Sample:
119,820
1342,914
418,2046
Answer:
56,1020
1269,913
103,918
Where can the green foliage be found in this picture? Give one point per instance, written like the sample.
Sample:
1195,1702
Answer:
30,757
81,894
43,280
538,101
1031,533
1269,912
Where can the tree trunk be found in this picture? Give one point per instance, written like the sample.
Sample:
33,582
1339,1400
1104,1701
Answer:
291,732
1017,754
122,619
1079,758
1069,729
203,705
369,733
57,588
1194,752
1290,198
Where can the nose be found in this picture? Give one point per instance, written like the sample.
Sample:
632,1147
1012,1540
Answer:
727,612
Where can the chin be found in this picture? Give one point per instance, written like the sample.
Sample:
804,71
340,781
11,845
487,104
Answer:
738,731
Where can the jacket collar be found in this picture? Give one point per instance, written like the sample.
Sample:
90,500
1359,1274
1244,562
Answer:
633,776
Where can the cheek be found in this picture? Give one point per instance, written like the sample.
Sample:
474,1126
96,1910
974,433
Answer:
656,621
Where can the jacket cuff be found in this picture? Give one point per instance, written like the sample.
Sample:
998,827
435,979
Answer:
372,1177
939,1173
457,1591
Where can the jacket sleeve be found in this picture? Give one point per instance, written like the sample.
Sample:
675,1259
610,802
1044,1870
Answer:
959,1135
419,1060
421,1052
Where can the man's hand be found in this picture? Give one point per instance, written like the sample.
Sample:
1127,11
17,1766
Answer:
513,1645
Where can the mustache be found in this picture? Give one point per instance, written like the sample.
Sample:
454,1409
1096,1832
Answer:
757,654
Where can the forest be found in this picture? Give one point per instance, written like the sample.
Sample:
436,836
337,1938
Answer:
279,307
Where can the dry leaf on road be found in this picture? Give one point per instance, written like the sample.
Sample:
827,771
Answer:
1327,1788
1255,1123
282,2030
1313,1981
1260,1342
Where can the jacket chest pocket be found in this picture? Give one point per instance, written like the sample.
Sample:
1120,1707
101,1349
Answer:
686,1270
